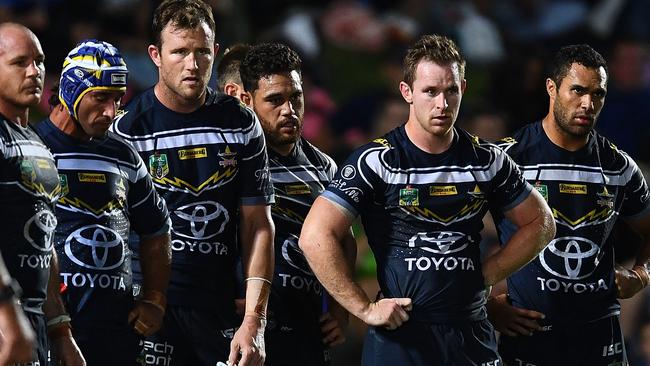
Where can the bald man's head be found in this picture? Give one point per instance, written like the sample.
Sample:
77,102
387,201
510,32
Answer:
12,32
22,70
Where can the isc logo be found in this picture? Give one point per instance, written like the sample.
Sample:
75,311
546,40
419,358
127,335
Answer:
613,349
491,363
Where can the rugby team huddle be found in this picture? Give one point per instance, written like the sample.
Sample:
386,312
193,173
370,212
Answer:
195,226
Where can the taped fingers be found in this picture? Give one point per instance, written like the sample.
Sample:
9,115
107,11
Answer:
141,327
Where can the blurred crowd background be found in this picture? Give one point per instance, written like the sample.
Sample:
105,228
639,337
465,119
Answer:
352,53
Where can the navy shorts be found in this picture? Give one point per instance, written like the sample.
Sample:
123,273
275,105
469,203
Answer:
97,346
293,347
190,336
598,343
40,329
426,344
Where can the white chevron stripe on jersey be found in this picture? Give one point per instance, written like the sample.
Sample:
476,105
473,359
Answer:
191,136
574,174
18,148
298,176
117,167
440,174
187,139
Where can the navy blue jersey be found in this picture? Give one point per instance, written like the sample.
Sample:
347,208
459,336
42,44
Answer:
106,192
29,186
297,180
423,215
205,164
572,279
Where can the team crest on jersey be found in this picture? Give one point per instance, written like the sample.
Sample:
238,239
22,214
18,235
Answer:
573,188
228,158
297,189
195,153
606,199
409,197
120,191
27,172
63,182
477,193
442,190
158,165
542,189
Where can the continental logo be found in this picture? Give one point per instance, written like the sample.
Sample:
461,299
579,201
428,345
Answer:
92,177
196,153
297,189
573,188
442,190
44,164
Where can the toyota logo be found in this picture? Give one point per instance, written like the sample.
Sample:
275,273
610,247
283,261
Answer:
293,255
39,229
207,219
570,257
440,242
95,247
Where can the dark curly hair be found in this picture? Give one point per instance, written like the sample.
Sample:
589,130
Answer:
266,59
184,14
579,54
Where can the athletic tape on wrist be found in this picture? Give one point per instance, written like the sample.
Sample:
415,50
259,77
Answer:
258,279
155,298
58,320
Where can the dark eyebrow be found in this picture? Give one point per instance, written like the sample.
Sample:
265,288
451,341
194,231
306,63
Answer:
273,95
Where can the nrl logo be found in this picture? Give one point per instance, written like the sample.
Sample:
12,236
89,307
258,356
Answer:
158,165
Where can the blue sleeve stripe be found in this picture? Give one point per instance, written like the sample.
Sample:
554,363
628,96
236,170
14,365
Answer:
520,198
259,200
337,200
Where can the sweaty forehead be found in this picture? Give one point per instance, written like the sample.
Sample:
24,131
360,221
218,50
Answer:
283,79
582,75
174,31
428,72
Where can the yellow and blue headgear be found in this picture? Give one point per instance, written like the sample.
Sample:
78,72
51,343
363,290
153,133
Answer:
91,65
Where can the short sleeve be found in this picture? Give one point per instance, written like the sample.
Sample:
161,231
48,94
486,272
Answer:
637,197
509,188
255,177
356,181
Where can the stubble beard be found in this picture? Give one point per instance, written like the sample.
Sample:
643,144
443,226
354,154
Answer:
562,120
